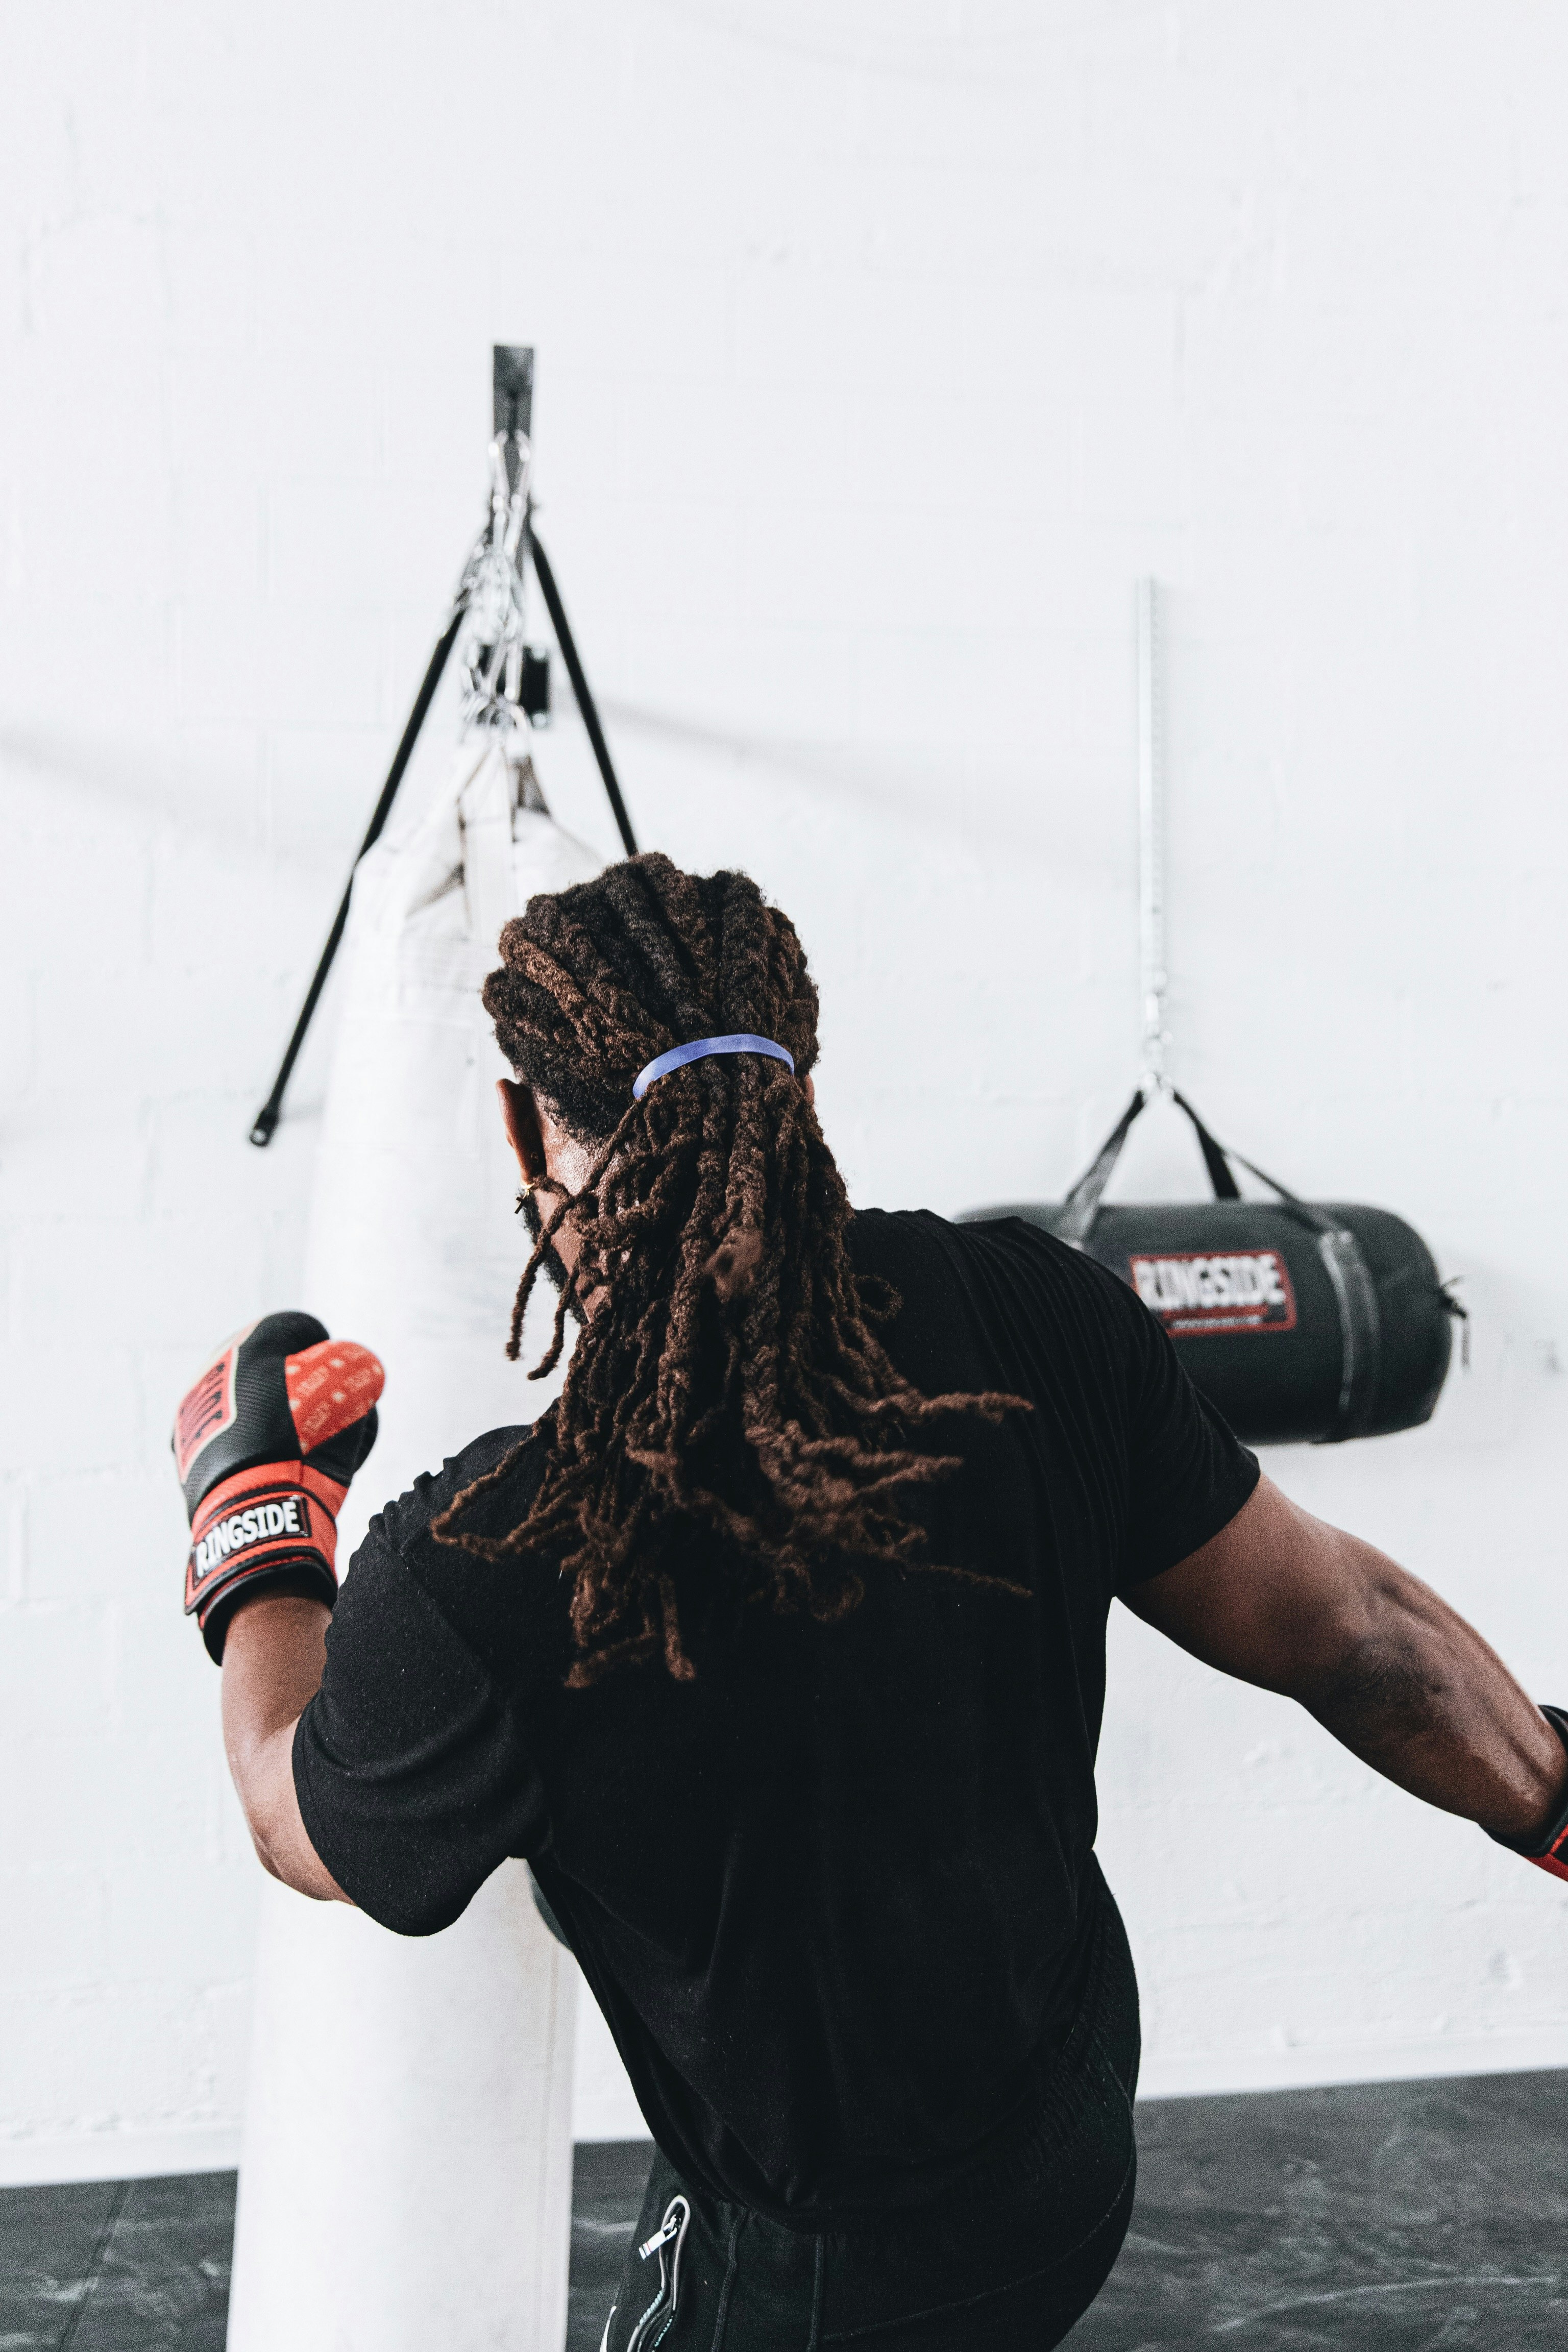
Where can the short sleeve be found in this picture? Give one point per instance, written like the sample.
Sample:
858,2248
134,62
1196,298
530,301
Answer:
1188,1473
413,1784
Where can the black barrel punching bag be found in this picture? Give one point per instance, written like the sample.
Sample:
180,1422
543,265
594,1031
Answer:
1299,1320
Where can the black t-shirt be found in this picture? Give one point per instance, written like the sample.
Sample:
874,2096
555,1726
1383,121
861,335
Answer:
832,1894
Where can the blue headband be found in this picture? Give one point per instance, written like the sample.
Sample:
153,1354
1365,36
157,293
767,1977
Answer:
698,1051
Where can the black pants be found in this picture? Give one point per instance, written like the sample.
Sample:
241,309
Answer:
1007,2260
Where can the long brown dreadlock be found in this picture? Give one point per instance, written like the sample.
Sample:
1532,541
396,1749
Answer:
728,1376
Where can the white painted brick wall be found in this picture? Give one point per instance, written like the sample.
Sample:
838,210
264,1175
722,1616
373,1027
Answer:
881,348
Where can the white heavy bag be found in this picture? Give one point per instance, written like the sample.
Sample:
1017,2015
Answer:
405,2172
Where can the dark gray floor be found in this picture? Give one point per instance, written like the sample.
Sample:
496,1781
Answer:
1404,2215
1397,2217
116,2265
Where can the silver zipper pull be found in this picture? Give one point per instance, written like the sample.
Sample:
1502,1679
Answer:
670,2228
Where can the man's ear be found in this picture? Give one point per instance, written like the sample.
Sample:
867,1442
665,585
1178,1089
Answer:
521,1120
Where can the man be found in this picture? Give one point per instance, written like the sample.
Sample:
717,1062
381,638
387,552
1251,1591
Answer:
777,1648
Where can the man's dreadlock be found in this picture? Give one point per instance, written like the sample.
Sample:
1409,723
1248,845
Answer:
727,1377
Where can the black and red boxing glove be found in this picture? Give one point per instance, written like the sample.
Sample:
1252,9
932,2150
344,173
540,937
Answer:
1550,1850
265,1444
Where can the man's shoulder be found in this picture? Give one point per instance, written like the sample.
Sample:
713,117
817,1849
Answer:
499,1472
486,1597
1008,1273
1007,1238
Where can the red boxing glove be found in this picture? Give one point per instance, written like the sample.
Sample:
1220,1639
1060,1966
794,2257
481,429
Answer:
1549,1851
265,1446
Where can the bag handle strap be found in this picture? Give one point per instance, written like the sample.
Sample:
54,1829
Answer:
1081,1206
1215,1159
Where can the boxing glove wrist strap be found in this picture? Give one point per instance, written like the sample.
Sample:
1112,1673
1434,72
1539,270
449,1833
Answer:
1549,1848
277,1518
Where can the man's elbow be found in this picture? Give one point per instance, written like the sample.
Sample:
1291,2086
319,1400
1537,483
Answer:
267,1855
279,1851
276,1863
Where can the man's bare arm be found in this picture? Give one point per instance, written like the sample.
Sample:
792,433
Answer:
1282,1600
272,1661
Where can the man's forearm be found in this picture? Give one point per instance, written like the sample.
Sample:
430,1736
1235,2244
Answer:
1427,1703
272,1662
1282,1600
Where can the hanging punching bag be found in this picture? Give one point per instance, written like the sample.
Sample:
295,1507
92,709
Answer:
1299,1321
405,2173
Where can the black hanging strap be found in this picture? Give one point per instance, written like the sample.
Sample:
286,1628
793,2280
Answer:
1081,1206
585,706
271,1110
1225,1187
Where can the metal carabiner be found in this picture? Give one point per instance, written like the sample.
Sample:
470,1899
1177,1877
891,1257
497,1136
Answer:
509,499
492,646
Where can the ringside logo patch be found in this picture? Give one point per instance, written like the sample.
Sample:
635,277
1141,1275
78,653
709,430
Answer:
260,1523
270,1526
1195,1292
